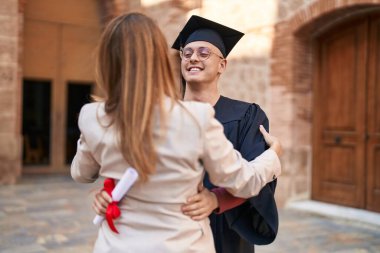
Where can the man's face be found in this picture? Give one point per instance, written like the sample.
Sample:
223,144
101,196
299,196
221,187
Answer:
198,70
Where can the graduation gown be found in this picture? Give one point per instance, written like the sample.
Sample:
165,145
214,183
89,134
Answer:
256,220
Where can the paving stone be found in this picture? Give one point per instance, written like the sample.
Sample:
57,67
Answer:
305,232
32,248
52,214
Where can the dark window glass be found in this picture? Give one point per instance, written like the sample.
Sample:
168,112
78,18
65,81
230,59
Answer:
36,122
78,94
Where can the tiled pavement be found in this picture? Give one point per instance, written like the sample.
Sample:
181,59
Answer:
46,214
53,214
301,232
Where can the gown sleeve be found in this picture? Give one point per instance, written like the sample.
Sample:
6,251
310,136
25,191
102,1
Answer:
251,143
257,219
226,167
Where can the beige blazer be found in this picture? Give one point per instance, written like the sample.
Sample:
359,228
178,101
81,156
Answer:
151,219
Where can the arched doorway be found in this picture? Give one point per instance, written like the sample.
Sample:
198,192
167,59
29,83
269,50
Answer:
346,124
58,75
302,45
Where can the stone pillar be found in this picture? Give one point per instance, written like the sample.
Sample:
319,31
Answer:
10,91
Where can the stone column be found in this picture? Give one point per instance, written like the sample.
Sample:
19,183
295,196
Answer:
10,91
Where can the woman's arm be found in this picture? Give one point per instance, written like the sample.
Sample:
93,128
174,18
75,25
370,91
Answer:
84,167
226,167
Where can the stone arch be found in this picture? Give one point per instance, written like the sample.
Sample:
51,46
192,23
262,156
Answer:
292,73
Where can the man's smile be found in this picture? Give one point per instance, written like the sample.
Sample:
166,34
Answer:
194,69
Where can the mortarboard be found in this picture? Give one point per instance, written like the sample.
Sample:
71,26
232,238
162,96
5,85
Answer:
201,29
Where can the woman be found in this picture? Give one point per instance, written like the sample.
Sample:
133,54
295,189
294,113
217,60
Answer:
142,123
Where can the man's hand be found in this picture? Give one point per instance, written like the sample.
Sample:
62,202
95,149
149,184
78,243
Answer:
101,201
201,205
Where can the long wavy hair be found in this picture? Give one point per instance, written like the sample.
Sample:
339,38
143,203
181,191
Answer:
134,73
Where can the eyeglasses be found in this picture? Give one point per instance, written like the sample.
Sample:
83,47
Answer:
203,53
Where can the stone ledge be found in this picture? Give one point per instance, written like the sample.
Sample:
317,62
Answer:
335,211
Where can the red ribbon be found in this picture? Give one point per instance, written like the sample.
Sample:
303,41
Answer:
113,210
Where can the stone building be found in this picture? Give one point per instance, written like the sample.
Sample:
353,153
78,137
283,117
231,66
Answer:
312,65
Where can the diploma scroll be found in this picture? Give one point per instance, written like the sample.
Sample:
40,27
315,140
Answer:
127,180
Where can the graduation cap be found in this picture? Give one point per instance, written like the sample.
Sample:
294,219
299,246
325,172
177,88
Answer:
201,29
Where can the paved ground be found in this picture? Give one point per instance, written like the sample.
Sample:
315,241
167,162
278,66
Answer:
53,214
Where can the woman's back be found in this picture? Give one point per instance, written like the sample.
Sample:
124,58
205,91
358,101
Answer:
151,217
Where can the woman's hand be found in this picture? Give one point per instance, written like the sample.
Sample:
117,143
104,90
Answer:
272,141
101,201
201,205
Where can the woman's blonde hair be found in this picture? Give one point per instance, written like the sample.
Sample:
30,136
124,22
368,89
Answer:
134,73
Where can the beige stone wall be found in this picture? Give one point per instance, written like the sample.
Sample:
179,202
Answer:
60,39
19,57
10,148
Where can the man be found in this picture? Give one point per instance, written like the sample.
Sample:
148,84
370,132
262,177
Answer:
237,224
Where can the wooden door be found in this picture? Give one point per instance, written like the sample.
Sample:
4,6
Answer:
340,116
373,118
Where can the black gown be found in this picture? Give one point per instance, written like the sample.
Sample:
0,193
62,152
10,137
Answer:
256,220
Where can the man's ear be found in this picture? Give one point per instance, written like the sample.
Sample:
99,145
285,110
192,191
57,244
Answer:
222,66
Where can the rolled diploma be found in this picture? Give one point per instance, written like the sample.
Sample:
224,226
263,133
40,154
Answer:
127,180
